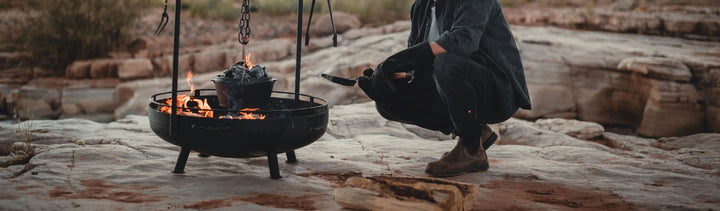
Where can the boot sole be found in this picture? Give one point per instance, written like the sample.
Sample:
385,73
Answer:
482,167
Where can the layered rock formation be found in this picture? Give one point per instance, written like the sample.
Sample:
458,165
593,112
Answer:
80,164
660,86
690,22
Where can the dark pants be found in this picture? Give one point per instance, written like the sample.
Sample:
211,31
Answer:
456,95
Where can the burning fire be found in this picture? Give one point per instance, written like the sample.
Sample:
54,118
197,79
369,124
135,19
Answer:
202,107
189,81
245,114
248,63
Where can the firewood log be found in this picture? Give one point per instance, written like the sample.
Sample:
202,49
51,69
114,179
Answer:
402,193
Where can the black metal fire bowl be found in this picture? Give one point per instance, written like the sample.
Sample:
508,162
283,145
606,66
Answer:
289,124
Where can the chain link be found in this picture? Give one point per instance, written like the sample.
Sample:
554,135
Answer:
244,33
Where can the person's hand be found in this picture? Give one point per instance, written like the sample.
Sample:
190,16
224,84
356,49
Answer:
365,83
437,49
383,79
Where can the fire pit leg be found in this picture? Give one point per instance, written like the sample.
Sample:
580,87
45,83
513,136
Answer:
291,157
181,161
273,164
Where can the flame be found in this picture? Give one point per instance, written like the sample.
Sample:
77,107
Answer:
248,63
189,81
203,108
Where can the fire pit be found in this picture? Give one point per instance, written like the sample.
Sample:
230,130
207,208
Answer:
287,124
212,125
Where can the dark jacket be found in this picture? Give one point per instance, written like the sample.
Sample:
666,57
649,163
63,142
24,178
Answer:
476,29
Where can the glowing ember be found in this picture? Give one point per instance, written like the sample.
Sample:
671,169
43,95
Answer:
201,108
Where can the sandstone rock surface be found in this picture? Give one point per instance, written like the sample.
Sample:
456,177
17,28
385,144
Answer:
81,164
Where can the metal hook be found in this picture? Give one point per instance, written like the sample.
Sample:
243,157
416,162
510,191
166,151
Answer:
163,21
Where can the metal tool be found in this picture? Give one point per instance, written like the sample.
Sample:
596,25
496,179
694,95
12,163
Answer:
332,22
163,21
341,80
353,81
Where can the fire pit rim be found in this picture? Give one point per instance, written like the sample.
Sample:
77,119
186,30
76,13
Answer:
312,99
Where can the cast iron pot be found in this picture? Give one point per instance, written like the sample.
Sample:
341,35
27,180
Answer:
243,93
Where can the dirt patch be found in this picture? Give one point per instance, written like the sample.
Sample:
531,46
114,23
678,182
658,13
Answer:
524,195
26,187
335,177
300,203
95,189
382,163
212,204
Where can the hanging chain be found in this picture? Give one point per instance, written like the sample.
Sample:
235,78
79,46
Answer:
244,33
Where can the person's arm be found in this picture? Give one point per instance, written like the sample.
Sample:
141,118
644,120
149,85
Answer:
413,25
471,18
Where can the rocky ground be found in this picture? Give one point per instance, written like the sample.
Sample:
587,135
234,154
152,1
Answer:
80,164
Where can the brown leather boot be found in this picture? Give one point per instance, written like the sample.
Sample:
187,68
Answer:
460,160
488,138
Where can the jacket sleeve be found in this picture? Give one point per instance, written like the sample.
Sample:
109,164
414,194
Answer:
414,25
470,19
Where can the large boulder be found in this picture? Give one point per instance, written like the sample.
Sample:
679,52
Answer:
77,102
165,64
104,68
673,109
343,23
78,69
35,103
211,60
135,69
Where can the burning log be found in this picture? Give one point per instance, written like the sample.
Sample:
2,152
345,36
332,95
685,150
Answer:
402,193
